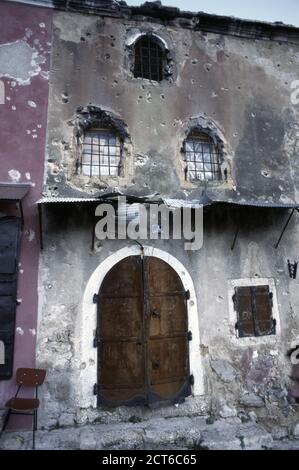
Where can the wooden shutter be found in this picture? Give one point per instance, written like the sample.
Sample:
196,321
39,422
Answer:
253,305
243,306
263,311
9,252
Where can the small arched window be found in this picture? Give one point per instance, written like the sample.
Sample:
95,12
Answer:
149,59
202,157
101,153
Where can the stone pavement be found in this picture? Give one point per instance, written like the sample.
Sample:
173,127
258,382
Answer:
157,434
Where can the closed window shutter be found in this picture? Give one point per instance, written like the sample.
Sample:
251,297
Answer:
253,305
263,309
10,228
243,306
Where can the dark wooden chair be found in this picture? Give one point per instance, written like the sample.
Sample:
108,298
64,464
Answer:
25,406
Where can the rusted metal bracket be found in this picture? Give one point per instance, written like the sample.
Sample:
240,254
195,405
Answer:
285,227
96,338
235,238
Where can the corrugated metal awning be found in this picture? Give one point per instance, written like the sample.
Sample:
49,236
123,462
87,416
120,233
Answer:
265,204
111,195
13,191
61,200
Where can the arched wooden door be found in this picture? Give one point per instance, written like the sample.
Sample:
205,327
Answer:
142,334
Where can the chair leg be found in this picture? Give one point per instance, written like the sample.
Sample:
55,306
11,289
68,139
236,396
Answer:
34,428
5,421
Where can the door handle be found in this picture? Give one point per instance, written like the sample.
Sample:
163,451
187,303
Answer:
155,365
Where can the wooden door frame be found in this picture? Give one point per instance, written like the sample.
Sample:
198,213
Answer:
86,324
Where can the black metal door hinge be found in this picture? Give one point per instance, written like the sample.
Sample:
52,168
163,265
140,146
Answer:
191,380
187,294
95,389
95,298
96,339
189,336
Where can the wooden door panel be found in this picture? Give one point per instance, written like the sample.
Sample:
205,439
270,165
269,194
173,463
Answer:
122,371
168,366
120,323
125,367
121,317
124,279
168,358
167,315
161,277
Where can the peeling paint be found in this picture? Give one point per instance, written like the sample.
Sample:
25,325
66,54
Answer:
30,235
32,104
19,331
20,62
14,175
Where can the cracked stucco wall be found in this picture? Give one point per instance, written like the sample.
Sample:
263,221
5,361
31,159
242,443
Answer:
242,86
242,378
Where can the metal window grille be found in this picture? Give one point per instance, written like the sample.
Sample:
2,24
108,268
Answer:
149,59
101,154
254,311
202,158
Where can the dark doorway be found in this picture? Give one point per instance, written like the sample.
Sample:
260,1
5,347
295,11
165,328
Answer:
143,334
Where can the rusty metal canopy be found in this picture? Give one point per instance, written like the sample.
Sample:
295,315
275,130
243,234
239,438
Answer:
13,191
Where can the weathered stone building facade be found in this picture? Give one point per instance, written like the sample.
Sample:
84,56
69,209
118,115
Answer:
215,81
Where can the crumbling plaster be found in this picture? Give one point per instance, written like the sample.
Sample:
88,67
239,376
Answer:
241,85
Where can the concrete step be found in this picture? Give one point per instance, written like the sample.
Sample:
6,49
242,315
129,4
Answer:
154,434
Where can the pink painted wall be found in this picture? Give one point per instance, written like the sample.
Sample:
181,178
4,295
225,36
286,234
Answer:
23,121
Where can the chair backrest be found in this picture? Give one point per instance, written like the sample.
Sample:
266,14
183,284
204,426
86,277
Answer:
30,377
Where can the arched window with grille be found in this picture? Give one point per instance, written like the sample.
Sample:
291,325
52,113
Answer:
149,59
202,157
101,154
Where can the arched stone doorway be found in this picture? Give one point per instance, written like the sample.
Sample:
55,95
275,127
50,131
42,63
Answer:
86,327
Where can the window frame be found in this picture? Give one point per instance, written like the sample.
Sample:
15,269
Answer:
233,317
254,322
202,138
160,67
111,133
